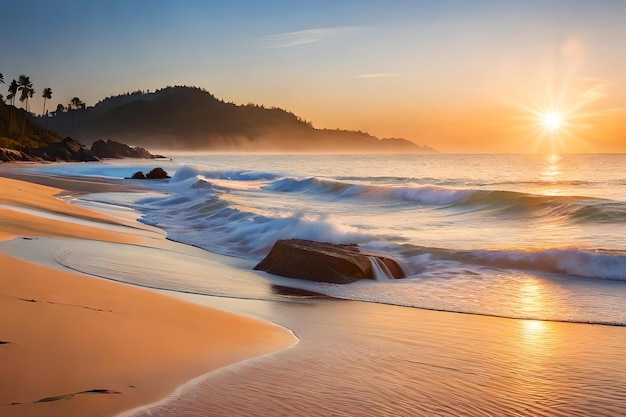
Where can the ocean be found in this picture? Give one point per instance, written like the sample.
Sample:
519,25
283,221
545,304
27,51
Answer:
520,236
530,248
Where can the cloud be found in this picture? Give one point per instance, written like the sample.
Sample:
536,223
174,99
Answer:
595,93
302,37
588,90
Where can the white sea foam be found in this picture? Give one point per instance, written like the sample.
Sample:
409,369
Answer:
194,213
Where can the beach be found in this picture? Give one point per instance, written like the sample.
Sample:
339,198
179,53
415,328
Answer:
296,209
149,353
75,345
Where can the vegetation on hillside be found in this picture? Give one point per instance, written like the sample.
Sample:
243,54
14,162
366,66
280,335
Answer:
182,117
178,117
17,131
16,128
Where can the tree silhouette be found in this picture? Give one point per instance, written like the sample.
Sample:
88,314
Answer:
47,94
77,103
12,92
11,96
25,85
1,78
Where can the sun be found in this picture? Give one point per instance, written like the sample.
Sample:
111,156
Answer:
552,121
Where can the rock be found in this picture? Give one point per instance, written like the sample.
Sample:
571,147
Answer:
325,262
8,155
157,174
67,150
71,151
116,150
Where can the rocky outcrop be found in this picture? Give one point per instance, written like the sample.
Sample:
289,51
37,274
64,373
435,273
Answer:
67,150
9,155
327,262
116,150
156,174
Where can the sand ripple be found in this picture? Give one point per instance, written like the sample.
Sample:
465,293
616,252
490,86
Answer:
356,359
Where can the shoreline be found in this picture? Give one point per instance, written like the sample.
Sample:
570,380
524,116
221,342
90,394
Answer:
86,346
362,358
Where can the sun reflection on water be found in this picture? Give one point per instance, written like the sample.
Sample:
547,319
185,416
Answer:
533,328
552,174
531,297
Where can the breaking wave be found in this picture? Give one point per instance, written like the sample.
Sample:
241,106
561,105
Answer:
502,203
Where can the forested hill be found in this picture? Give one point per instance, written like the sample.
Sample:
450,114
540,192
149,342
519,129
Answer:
189,118
17,131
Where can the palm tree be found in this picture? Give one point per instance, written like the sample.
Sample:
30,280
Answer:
11,96
26,87
77,103
12,92
47,94
1,78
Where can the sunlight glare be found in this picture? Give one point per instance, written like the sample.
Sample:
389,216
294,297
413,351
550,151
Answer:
552,121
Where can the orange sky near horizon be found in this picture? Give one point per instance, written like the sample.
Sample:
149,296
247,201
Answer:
492,104
455,75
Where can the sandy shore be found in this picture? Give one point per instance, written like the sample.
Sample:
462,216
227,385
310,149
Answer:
88,347
73,345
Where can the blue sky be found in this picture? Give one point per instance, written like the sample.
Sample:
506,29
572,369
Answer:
431,71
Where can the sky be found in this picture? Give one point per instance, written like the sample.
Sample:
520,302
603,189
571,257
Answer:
460,76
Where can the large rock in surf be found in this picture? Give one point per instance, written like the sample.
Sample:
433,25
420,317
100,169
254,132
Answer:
157,173
326,262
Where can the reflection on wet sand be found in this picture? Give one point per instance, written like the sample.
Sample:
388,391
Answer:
364,359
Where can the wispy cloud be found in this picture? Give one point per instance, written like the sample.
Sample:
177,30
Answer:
378,75
587,90
302,37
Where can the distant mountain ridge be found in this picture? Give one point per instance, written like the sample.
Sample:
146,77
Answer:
190,118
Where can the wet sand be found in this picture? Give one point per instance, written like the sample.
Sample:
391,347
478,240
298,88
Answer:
364,359
75,345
